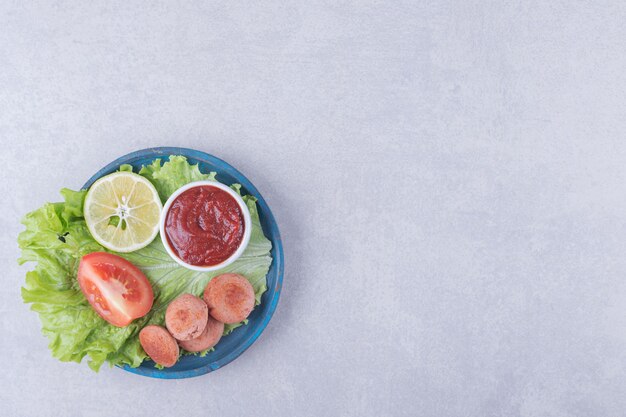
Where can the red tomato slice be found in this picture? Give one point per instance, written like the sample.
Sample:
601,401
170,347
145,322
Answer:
115,288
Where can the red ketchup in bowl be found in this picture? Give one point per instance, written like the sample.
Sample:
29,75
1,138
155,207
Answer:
204,226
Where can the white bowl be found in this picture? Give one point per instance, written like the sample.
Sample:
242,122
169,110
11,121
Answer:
246,221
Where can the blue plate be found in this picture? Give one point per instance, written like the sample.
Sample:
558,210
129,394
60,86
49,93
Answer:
233,345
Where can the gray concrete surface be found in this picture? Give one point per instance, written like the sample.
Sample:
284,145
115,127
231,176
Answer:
449,178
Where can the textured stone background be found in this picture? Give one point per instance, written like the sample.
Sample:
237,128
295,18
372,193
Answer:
449,178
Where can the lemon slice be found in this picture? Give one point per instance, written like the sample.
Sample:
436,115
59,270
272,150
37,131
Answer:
122,211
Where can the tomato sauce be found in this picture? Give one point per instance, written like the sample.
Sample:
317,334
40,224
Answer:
204,226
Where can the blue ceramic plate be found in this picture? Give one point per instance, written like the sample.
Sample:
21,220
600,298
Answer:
233,345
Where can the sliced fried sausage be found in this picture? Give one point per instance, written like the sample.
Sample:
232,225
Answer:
186,317
210,336
230,298
159,345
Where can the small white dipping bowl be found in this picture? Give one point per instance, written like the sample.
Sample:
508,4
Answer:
246,221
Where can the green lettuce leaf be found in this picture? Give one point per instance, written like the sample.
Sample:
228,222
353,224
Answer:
172,175
56,237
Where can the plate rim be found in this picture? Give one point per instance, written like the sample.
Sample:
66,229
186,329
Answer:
277,246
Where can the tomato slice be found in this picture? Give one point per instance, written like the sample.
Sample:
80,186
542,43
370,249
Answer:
115,288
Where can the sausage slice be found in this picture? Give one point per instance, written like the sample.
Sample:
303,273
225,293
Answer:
186,317
210,336
159,345
230,298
